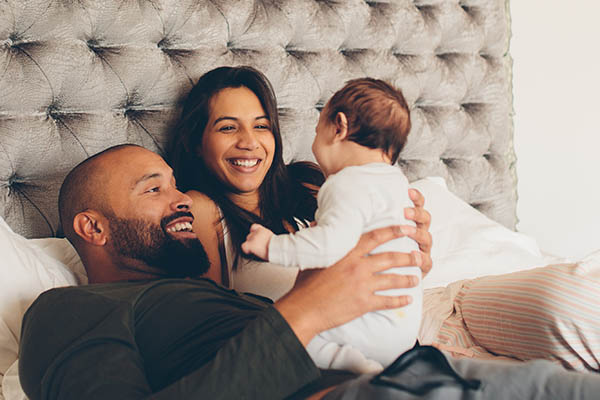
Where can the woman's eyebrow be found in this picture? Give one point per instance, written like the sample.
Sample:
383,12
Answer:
236,119
224,118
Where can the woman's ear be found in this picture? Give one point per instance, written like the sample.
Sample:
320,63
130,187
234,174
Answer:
89,225
341,126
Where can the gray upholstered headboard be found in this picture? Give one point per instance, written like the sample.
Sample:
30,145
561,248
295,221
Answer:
77,76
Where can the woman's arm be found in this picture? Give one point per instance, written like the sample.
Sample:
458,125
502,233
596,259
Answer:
207,227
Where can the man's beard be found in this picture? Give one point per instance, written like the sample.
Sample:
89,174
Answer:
151,244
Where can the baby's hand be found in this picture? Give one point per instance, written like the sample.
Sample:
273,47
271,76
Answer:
257,241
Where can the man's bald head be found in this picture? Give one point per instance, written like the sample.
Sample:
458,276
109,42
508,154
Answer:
123,213
84,188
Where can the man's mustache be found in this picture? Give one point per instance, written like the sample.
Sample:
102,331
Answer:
169,218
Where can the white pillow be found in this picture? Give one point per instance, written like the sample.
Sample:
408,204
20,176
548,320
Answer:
28,268
11,386
466,243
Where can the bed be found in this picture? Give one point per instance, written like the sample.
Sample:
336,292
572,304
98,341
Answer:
79,76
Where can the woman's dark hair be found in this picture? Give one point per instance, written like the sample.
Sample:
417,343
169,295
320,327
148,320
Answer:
286,192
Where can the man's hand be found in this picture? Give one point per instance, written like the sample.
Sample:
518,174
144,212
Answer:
420,234
257,241
329,297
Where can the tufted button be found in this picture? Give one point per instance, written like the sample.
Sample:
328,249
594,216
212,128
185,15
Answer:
132,113
13,39
52,111
14,181
95,46
129,113
291,50
163,44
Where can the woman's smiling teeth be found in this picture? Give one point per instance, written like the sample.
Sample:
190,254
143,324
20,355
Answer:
244,162
180,226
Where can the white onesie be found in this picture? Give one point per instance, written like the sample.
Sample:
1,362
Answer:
355,200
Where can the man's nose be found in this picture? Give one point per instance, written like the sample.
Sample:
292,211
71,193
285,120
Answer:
182,201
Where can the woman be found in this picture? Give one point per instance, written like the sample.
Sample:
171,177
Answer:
227,156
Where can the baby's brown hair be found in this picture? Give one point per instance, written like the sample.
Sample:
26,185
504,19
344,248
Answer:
377,113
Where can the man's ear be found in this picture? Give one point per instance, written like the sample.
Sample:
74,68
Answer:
91,227
341,127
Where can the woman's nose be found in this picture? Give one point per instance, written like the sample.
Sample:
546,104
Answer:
247,139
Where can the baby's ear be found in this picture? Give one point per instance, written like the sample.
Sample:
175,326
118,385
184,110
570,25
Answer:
341,126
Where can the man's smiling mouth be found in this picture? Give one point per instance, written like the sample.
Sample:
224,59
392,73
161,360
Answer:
179,224
180,227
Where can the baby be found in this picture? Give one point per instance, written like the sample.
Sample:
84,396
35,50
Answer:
359,136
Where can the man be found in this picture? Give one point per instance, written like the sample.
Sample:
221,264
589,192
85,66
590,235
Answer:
140,333
146,330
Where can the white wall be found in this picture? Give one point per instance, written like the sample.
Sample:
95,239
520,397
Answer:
556,86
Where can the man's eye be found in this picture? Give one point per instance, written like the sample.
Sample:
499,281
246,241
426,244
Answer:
153,190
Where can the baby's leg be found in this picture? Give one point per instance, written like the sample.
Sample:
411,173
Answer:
384,335
330,355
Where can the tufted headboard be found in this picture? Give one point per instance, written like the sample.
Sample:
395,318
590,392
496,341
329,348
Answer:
77,76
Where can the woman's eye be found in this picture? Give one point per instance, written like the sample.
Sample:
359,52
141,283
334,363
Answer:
263,126
226,128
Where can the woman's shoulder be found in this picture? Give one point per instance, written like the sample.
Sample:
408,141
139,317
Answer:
207,227
200,198
202,205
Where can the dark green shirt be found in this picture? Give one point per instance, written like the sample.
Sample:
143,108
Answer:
165,339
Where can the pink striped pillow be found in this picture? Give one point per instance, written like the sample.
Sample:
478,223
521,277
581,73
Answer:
550,312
